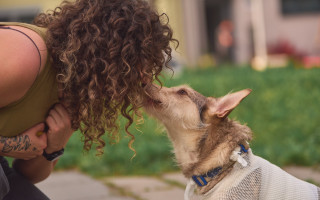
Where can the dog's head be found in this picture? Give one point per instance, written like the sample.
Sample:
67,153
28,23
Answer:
197,125
184,108
177,106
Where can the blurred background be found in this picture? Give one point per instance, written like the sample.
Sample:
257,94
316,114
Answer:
270,46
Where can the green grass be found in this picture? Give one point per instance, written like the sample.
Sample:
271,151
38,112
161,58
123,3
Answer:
153,154
283,112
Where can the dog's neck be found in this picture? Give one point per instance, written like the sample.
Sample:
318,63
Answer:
201,151
185,149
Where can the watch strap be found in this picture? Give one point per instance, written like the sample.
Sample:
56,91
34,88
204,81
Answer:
53,156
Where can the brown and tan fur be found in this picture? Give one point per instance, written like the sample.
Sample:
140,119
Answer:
202,135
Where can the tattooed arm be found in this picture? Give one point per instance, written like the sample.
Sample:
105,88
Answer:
25,146
59,132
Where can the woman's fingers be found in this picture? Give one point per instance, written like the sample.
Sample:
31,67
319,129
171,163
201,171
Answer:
55,116
59,116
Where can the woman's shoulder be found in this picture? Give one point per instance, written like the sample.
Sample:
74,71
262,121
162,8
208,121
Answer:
19,62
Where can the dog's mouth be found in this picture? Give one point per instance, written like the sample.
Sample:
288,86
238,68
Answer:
152,99
153,102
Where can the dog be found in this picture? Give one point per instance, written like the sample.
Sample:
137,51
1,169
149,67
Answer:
213,151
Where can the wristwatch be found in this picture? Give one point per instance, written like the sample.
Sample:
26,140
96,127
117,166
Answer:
53,156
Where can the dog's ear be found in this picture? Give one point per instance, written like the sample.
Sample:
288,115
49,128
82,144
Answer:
222,107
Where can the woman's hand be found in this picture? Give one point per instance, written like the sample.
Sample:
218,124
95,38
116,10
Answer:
59,128
58,134
25,146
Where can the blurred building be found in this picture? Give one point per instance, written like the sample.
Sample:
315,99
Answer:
24,10
221,28
224,28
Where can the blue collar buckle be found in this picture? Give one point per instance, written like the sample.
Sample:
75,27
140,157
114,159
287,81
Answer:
198,182
201,181
243,149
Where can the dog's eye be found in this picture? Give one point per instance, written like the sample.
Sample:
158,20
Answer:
182,92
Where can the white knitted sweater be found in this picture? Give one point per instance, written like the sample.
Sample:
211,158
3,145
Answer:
261,180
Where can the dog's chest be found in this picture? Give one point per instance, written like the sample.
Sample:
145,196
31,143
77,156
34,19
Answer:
261,180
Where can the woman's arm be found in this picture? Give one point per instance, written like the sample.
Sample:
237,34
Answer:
59,132
36,169
26,146
19,63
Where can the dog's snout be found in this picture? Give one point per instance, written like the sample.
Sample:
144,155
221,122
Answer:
151,88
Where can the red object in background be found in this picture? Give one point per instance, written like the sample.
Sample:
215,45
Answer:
225,33
284,47
300,59
311,61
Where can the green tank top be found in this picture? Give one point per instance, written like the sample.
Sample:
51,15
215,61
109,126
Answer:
33,107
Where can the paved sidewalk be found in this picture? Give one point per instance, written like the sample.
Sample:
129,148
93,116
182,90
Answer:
72,185
149,188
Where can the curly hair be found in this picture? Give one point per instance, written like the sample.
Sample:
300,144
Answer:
103,50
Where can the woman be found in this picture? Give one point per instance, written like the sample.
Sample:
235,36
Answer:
91,56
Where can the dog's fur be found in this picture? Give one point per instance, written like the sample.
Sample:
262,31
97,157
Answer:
202,136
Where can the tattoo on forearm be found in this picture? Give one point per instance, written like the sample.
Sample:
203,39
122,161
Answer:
17,143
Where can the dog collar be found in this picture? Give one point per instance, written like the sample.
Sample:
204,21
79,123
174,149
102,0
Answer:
200,179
